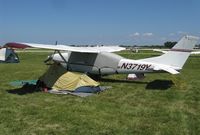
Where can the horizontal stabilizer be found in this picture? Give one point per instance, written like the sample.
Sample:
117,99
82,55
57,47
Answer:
167,69
195,52
159,50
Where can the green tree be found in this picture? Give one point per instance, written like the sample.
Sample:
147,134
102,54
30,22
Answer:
169,44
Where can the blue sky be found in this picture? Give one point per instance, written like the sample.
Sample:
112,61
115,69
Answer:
110,22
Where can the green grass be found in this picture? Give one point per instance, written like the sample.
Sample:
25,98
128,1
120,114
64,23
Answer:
140,107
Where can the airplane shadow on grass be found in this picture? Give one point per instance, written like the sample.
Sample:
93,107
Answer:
159,85
154,85
26,89
120,81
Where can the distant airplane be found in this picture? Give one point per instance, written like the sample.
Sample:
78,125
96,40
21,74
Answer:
101,61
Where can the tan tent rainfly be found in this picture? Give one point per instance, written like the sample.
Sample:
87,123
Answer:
58,78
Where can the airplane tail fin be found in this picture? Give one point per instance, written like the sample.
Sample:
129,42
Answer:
178,55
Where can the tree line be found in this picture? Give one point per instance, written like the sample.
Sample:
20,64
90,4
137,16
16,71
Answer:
169,44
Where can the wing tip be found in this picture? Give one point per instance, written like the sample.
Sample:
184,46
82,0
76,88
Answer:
15,45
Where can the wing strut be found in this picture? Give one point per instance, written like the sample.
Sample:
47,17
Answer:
56,51
61,56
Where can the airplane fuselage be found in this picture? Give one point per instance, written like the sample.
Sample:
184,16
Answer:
103,63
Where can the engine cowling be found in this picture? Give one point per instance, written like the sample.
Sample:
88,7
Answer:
58,58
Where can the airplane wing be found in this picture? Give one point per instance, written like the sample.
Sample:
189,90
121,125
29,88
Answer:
67,48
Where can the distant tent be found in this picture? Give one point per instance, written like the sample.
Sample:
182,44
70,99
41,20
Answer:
8,56
58,78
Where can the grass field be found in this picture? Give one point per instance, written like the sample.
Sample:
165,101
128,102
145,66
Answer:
159,104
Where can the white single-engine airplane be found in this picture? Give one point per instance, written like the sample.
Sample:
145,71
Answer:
101,61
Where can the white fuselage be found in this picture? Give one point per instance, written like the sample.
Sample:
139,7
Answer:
102,63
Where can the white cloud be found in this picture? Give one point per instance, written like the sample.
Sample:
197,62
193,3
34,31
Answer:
148,34
136,34
141,35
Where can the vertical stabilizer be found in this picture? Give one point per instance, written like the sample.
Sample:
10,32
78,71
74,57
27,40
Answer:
178,55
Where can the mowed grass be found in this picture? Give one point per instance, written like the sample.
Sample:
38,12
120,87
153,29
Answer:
150,106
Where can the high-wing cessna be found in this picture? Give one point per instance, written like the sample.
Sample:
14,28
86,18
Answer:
101,60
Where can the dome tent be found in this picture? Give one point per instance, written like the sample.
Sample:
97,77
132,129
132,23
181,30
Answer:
58,78
8,56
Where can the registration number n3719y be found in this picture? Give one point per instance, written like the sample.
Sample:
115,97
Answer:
131,66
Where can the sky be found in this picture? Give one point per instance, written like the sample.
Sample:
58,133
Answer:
108,22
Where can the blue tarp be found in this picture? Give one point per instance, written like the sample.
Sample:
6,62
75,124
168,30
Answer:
88,89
